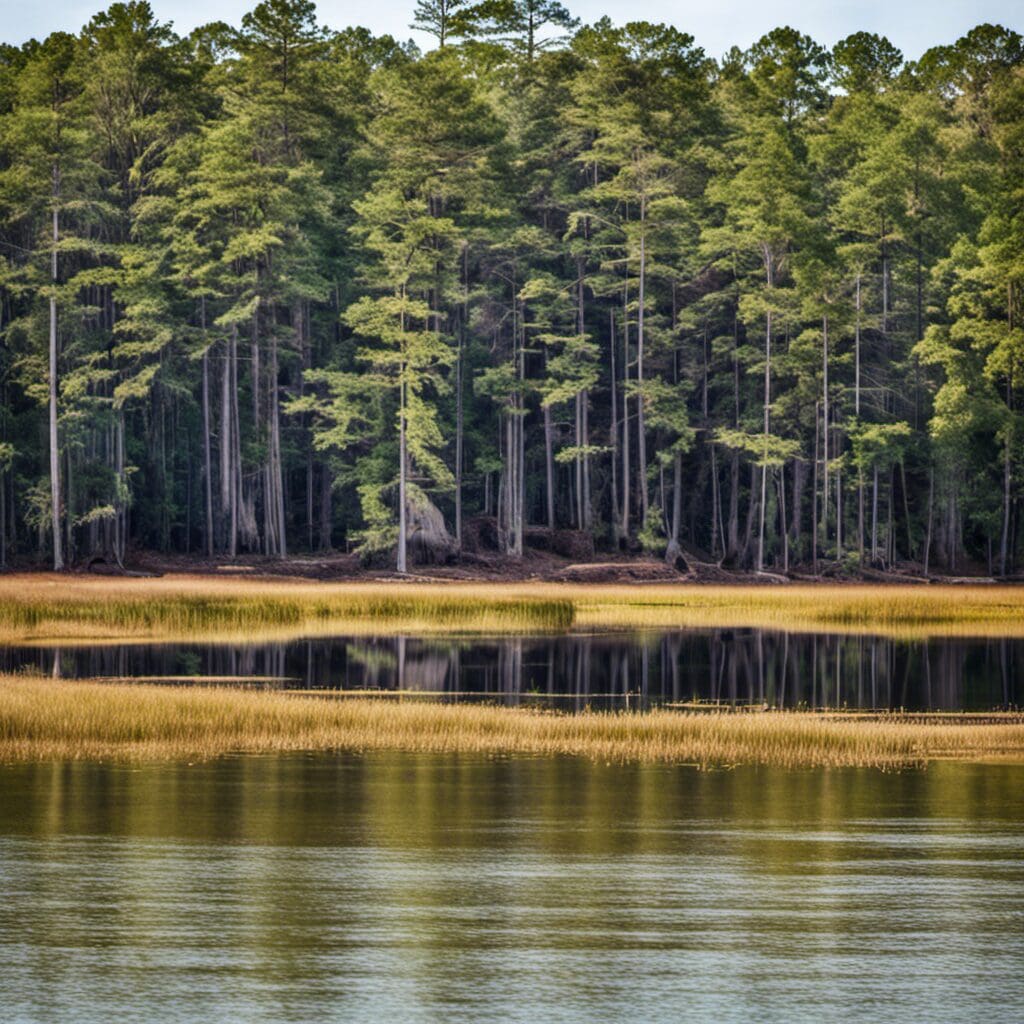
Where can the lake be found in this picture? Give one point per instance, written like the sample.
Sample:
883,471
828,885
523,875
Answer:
414,888
604,669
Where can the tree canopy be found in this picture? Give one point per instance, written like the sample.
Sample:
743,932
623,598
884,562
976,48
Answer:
281,287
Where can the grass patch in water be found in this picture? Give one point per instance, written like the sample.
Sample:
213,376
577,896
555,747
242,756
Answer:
53,608
907,612
48,608
52,720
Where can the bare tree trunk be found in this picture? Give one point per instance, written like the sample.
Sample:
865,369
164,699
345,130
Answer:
672,551
260,477
459,429
752,507
583,401
641,432
928,532
824,437
716,505
767,413
207,462
402,470
874,514
814,488
839,514
733,535
588,513
549,468
226,471
1004,541
616,522
55,502
783,525
520,502
625,423
120,521
236,447
460,413
277,470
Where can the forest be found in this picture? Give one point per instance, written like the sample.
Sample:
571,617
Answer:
281,288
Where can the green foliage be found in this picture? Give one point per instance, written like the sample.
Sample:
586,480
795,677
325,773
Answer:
542,273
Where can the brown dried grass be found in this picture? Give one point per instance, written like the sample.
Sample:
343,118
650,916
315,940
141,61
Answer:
48,720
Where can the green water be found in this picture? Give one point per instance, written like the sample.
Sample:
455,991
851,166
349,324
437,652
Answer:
399,888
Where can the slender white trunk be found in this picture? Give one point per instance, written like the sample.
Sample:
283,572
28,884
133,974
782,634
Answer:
207,462
824,436
402,469
58,555
767,414
641,432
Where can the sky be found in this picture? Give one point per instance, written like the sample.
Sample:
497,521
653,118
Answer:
913,25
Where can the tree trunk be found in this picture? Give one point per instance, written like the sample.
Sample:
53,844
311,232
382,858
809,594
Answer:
641,432
814,488
277,470
459,430
824,438
624,518
672,551
928,531
402,469
616,521
583,438
226,470
207,462
236,447
874,515
1004,540
549,468
716,505
732,543
767,414
55,503
783,525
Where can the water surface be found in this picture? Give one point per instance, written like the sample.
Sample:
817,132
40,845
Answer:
735,666
405,888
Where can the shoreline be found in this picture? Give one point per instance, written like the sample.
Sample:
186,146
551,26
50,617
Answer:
61,610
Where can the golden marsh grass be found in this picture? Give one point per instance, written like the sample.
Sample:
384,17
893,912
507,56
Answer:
907,612
47,720
49,608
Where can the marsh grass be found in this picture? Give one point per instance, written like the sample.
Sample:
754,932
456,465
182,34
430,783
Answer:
52,609
906,612
47,720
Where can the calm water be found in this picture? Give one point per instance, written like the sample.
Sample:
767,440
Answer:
574,671
401,888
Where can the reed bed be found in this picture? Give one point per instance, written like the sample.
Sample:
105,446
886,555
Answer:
906,612
47,720
54,609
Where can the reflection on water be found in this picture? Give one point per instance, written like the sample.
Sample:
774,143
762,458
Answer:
575,671
401,888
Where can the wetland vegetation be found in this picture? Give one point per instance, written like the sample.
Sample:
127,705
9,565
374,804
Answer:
49,719
42,719
46,608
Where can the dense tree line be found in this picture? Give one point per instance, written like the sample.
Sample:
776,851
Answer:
280,288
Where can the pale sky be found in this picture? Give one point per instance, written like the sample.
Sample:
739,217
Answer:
913,25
